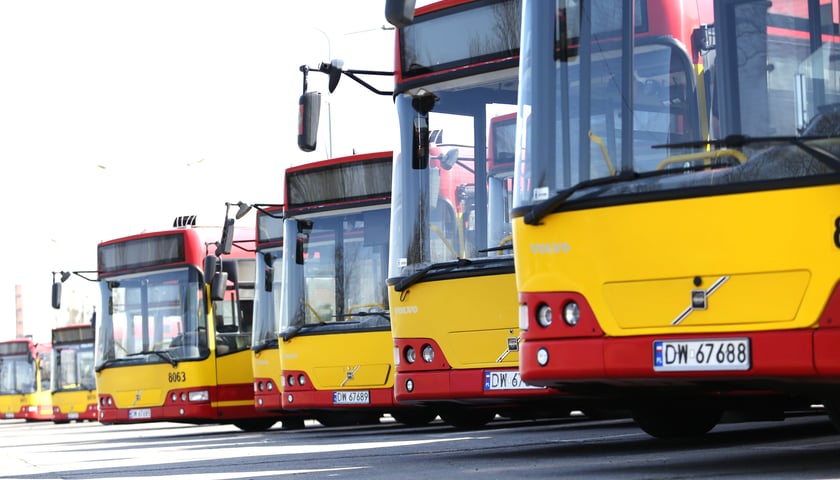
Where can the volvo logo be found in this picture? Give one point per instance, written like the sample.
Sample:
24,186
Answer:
512,346
349,374
699,299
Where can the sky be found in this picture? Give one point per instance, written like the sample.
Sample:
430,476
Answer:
117,116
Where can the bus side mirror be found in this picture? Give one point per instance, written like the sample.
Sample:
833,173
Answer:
210,264
56,295
226,243
420,144
268,283
268,273
309,110
302,240
399,13
219,286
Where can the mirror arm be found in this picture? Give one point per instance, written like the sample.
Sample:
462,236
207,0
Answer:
327,68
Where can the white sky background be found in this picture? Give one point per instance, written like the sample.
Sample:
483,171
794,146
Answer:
116,116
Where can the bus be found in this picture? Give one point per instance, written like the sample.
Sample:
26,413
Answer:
25,380
73,382
265,359
336,348
173,341
698,275
451,279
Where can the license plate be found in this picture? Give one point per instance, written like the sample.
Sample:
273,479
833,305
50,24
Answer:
139,413
504,380
701,355
10,415
72,416
351,397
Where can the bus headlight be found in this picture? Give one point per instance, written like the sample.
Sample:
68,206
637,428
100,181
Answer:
409,385
301,380
544,315
571,314
269,385
410,354
199,396
428,353
291,380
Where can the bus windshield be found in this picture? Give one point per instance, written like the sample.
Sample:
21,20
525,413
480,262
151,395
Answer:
269,285
695,99
335,273
152,318
17,374
73,366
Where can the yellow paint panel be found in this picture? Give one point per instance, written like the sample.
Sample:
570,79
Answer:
635,264
327,358
149,397
739,299
470,318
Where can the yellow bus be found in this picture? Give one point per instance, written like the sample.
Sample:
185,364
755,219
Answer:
173,341
25,380
265,359
451,275
73,381
336,349
675,234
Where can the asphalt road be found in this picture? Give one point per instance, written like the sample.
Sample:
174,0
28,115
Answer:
803,448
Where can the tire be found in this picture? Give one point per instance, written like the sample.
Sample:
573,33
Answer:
833,408
666,421
347,419
255,424
467,418
415,417
293,423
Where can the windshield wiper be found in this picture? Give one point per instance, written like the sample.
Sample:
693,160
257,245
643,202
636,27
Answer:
270,343
364,314
501,248
539,211
104,365
416,276
295,330
164,355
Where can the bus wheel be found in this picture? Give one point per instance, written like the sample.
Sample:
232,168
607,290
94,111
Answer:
467,418
833,408
416,417
666,421
255,424
293,423
347,419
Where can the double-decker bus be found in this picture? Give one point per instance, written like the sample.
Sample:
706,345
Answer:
451,271
25,380
336,348
73,382
174,335
699,273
